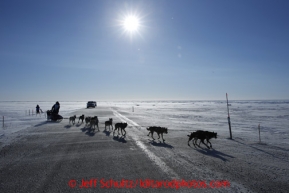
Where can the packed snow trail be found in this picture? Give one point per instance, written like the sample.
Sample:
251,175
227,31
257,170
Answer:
150,154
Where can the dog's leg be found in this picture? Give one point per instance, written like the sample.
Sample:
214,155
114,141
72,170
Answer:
121,130
199,143
162,137
153,135
190,138
149,134
202,140
195,142
124,131
209,142
158,135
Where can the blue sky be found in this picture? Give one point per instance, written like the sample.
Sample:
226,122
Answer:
184,49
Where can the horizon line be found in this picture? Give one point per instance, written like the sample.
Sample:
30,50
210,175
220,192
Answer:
128,100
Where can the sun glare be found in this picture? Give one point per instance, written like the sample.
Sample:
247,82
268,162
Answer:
131,23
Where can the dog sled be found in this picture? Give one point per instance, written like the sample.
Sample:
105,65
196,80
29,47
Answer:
53,117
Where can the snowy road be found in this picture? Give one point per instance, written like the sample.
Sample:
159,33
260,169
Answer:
59,157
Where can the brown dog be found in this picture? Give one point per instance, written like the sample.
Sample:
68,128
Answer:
94,122
108,123
72,119
87,120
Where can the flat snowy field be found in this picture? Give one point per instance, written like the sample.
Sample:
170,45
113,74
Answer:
247,164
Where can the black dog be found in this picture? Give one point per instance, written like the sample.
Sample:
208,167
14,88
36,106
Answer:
158,130
81,118
202,135
121,126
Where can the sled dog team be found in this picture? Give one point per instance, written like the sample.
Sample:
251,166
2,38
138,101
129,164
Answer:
199,134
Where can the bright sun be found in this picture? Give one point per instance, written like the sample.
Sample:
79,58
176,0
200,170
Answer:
131,23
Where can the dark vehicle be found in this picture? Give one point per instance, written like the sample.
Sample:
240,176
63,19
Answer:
91,104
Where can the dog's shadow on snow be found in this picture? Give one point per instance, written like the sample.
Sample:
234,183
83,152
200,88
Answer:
119,138
78,124
68,126
107,132
214,153
89,133
160,144
84,129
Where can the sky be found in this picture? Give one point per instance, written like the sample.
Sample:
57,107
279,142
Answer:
181,50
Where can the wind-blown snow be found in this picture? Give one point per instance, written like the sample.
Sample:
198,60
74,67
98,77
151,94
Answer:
17,116
273,116
264,164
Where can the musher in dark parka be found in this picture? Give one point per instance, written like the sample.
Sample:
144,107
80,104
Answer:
55,108
37,109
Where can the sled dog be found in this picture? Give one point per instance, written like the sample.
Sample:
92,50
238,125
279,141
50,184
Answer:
108,123
202,135
72,119
87,120
81,118
120,126
94,122
158,130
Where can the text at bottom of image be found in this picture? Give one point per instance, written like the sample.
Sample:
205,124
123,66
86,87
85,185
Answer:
146,183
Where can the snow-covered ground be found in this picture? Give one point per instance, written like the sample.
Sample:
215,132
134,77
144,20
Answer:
21,115
248,165
273,116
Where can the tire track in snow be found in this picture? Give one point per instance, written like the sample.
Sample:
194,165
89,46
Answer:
150,154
